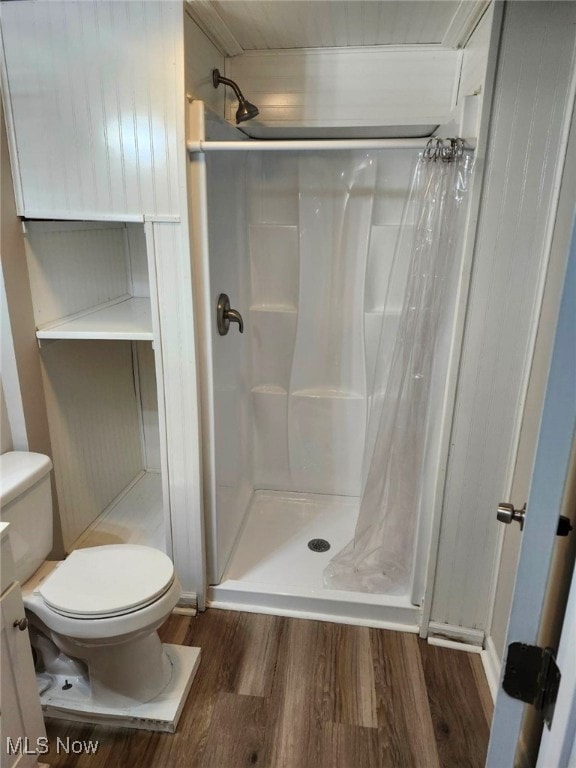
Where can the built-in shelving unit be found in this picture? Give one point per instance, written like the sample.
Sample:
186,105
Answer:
93,309
130,319
89,280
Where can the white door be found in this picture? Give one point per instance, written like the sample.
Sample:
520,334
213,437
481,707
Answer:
551,464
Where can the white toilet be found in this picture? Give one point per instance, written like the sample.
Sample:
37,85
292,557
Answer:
94,615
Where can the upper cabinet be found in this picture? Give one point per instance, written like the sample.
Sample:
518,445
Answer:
94,95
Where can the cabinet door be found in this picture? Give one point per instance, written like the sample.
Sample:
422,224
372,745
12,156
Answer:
19,701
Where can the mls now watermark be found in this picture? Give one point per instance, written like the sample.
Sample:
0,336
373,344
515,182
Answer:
41,746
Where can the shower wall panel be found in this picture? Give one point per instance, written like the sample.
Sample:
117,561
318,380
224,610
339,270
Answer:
322,234
229,273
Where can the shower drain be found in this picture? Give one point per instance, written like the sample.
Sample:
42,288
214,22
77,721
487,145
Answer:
319,545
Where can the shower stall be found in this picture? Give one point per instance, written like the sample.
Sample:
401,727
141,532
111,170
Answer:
141,211
305,244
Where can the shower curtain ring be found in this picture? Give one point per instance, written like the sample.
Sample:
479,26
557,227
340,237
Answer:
431,150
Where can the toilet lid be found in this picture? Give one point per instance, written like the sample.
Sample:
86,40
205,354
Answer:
101,582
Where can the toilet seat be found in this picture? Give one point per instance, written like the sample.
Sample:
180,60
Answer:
108,581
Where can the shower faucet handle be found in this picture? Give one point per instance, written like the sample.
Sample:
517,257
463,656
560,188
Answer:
225,316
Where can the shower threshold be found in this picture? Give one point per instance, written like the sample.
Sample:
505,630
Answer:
277,565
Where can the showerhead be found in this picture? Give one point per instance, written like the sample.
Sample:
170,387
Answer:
246,110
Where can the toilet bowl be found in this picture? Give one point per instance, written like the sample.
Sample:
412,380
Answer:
103,605
96,612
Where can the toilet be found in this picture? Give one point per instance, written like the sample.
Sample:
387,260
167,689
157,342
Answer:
93,616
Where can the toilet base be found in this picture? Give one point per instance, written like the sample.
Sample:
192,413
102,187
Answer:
160,714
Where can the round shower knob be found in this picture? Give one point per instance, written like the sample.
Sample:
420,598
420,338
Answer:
22,624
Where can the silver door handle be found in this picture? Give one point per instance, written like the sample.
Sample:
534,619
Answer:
507,514
225,316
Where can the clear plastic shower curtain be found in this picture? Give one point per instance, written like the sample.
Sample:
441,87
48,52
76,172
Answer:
380,557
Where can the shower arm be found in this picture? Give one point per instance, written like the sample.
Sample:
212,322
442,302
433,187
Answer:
217,78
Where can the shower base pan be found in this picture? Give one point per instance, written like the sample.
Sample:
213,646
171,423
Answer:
274,570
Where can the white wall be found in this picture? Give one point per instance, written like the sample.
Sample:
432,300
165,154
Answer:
19,333
201,57
353,88
12,396
75,266
535,397
5,429
94,427
525,146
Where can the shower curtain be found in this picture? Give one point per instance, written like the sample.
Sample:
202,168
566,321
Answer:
380,557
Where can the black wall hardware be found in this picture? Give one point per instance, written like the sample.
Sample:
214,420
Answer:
531,675
564,526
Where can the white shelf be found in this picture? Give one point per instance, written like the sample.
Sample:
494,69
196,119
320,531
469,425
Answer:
129,319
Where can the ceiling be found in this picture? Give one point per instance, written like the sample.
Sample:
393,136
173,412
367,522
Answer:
244,25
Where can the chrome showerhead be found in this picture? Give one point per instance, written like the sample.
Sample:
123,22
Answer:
246,110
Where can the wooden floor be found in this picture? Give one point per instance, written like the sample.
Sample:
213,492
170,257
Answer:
289,693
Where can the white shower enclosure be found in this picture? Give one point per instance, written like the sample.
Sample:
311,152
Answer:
302,242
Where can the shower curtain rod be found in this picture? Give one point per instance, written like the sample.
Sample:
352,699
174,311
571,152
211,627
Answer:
310,144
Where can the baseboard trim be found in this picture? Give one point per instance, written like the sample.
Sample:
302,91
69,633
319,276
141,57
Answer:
188,602
492,666
442,642
461,635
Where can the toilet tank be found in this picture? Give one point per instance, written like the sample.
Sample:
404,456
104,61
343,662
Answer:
26,503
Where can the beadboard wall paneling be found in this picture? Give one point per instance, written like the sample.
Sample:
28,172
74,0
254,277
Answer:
535,395
74,266
347,86
94,427
94,102
173,279
311,24
529,114
148,394
201,57
210,22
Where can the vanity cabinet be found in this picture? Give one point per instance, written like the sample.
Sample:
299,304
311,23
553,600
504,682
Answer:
22,725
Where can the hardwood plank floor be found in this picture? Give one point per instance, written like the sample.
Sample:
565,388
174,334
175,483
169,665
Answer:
457,743
289,693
